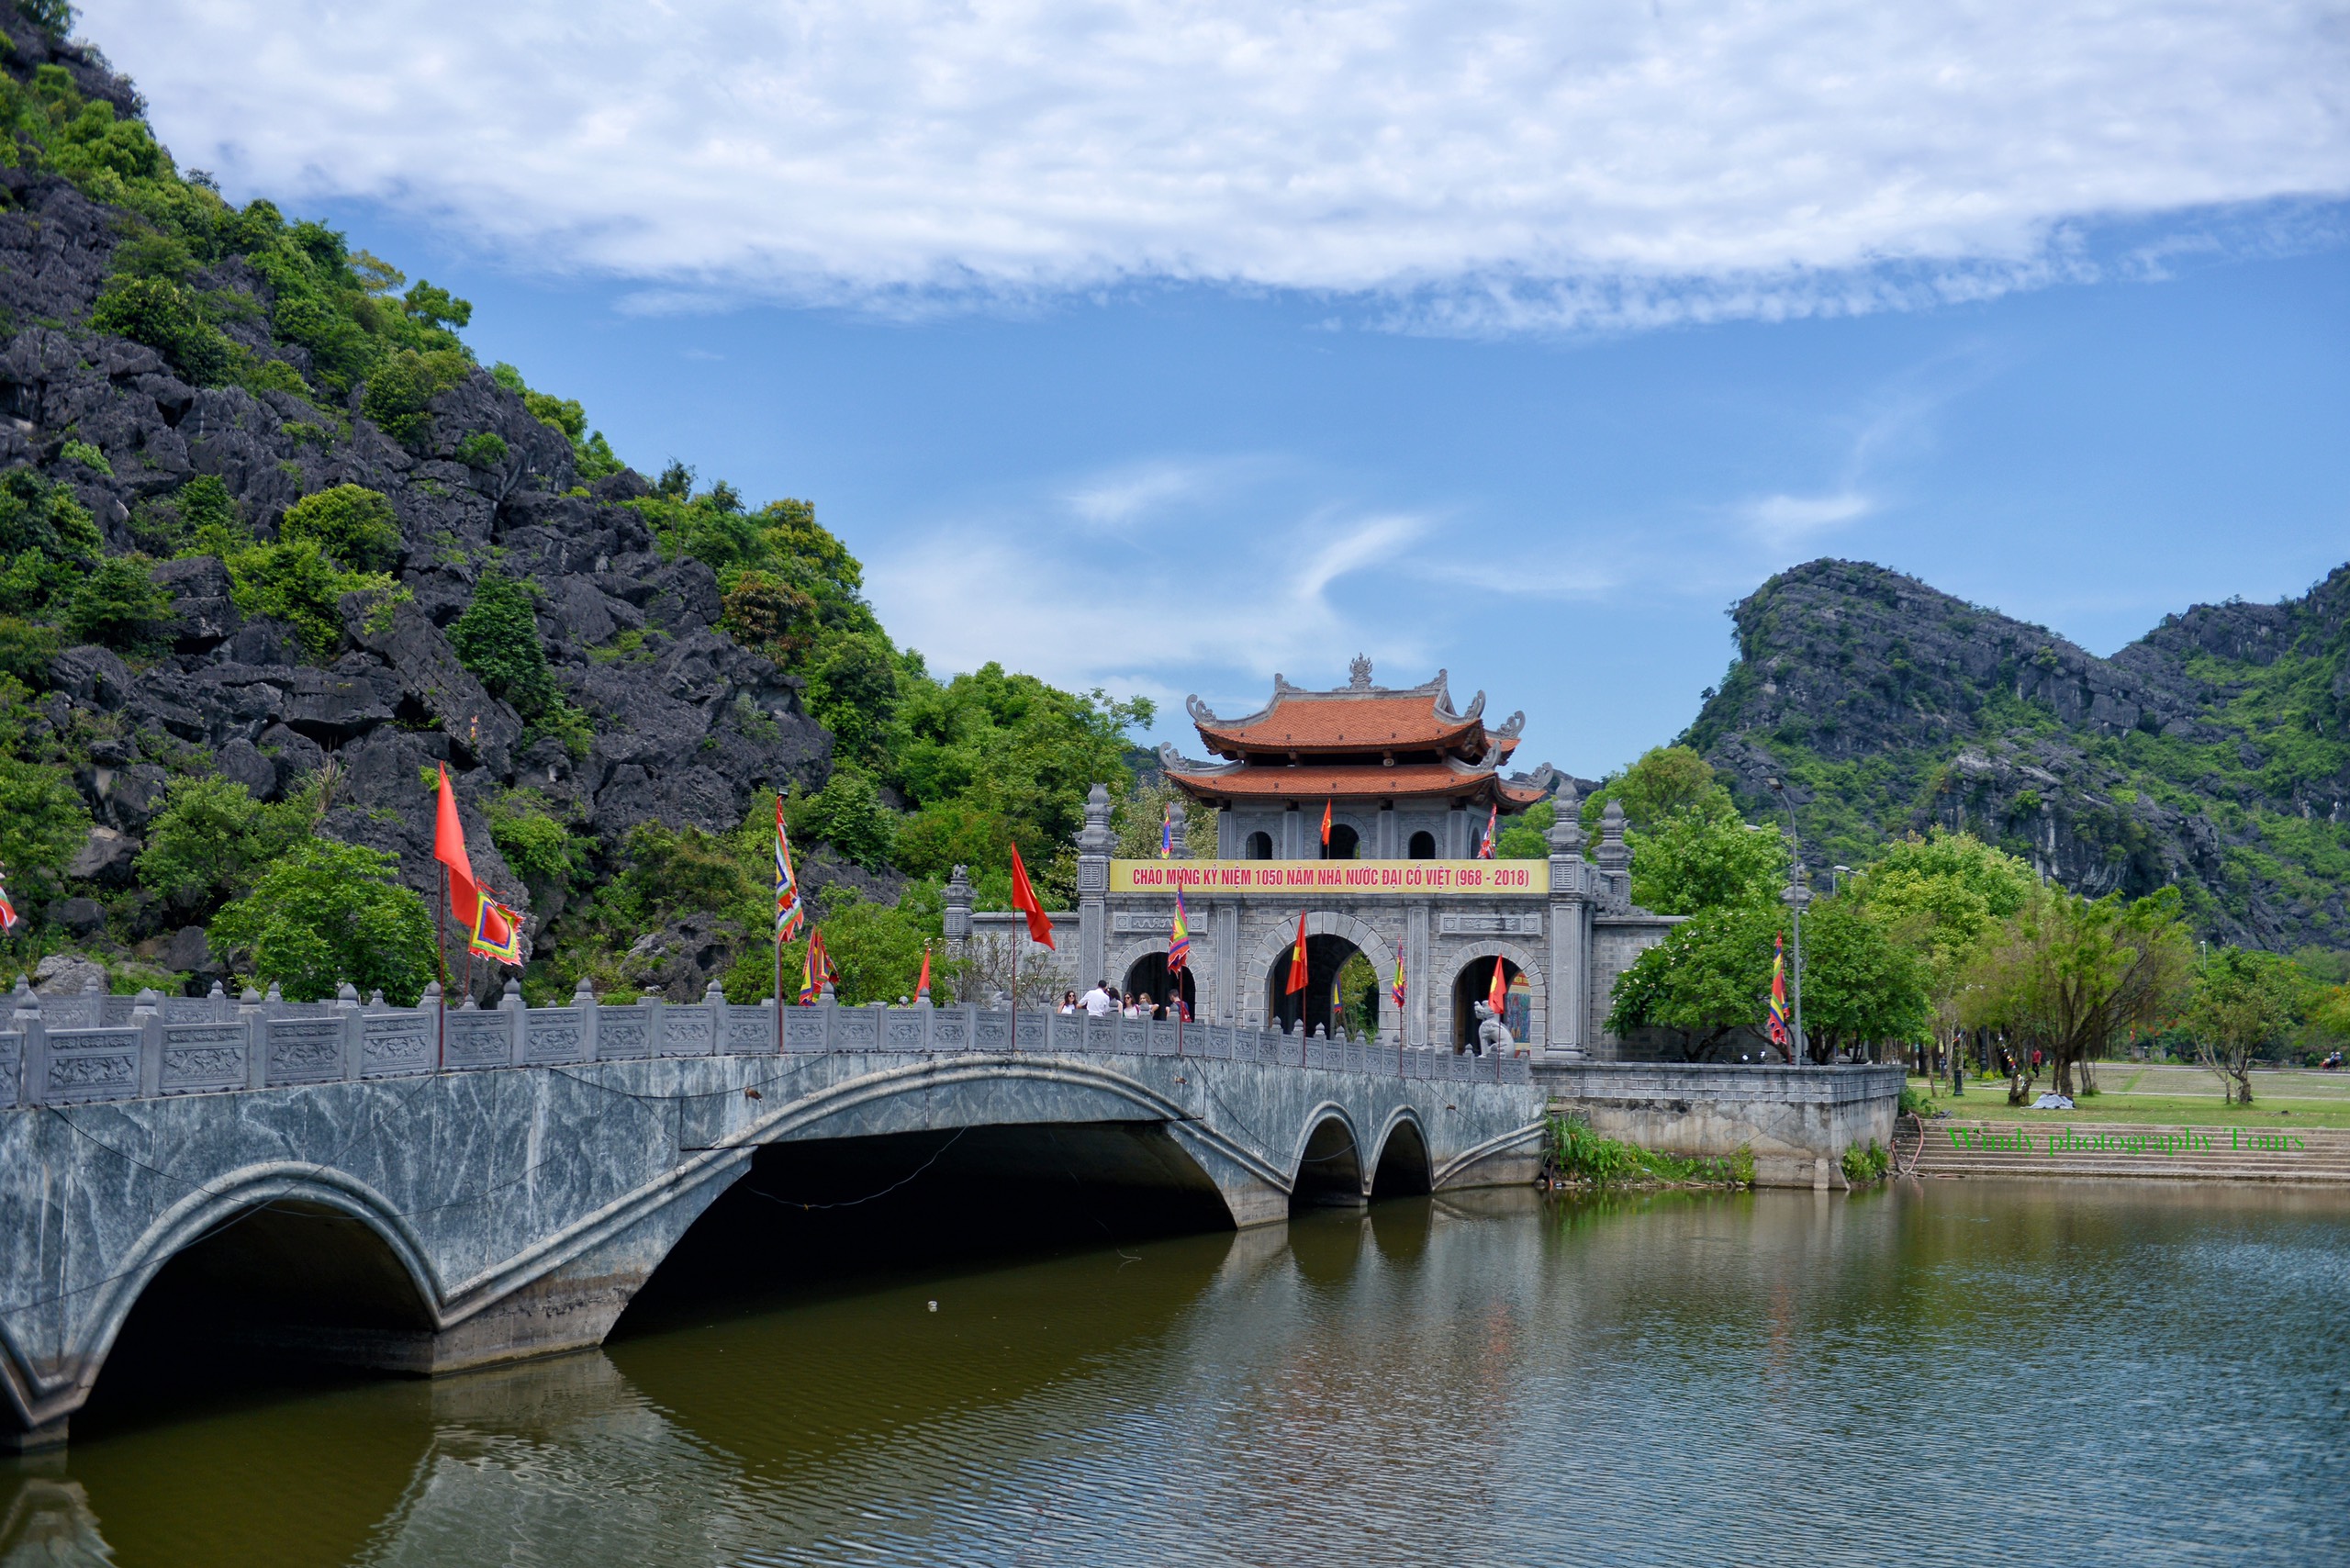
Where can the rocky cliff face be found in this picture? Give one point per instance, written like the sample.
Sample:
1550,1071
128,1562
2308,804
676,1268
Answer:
687,726
2213,753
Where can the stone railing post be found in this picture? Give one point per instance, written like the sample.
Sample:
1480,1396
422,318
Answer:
583,997
434,1005
249,1014
713,1002
957,924
147,1017
32,1086
828,1008
221,1009
354,1030
517,1011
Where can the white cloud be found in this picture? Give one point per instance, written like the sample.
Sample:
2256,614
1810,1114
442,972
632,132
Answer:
1064,605
1116,501
1781,520
1485,165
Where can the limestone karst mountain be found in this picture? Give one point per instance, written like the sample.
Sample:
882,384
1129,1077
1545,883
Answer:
2213,752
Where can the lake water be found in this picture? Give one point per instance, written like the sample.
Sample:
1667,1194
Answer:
2079,1373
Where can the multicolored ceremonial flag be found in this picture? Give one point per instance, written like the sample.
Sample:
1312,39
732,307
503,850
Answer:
1486,845
1396,991
8,916
816,970
1297,959
496,932
1166,831
790,912
1179,939
1778,1016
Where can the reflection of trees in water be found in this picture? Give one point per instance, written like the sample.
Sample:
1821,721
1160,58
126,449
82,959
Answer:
1359,995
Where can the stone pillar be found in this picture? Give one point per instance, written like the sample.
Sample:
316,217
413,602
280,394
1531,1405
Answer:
1615,858
355,1029
1418,981
1456,832
32,1086
583,997
958,929
249,1014
1570,934
1382,837
1227,837
1293,844
1224,1005
1094,844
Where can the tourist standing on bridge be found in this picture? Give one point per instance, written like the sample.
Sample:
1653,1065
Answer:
1099,1003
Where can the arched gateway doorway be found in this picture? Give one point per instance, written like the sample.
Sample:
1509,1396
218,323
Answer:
1148,976
1342,990
1474,984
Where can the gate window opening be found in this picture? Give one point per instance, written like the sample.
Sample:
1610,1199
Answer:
1259,846
1148,976
1469,988
1422,847
1345,843
1342,990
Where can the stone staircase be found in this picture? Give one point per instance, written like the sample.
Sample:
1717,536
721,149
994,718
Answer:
2126,1149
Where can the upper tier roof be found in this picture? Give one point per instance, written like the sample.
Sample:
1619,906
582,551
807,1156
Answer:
1405,781
1358,718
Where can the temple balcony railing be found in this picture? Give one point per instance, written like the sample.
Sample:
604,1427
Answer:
75,1050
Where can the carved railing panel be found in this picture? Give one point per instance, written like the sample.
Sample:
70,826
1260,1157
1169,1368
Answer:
478,1039
393,1044
203,1059
624,1033
303,1050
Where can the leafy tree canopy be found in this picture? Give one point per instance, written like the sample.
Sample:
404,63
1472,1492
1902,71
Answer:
323,912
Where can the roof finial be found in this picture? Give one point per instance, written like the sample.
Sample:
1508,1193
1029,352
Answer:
1359,673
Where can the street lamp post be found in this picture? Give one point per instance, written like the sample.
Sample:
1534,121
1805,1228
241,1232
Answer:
1796,897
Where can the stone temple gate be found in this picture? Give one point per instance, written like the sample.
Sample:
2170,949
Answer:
1412,789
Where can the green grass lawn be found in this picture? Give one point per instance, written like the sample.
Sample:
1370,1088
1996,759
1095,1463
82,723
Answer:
2167,1096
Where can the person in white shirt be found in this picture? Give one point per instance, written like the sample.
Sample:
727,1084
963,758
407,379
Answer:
1099,1003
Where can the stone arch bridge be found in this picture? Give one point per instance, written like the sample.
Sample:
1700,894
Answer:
478,1185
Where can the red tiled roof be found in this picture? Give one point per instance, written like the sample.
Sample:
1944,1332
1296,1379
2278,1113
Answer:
1405,781
1342,722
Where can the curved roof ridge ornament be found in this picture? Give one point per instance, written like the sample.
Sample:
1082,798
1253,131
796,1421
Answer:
1476,706
1544,777
1174,761
1484,765
1509,728
1206,719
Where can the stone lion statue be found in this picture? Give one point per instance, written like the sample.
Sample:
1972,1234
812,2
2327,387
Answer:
1492,1033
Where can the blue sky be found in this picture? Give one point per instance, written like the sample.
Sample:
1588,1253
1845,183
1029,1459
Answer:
1092,389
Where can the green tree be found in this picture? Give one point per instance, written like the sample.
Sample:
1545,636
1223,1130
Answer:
534,839
211,838
497,639
1666,779
354,524
1141,813
120,606
43,826
2072,977
401,387
846,813
2242,1001
1940,896
1702,856
324,912
296,583
168,319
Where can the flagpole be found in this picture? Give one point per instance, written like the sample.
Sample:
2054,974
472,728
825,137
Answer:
441,952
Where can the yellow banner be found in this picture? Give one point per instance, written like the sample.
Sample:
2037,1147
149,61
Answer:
1478,878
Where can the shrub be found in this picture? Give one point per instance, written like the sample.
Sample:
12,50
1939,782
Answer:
295,583
846,813
354,524
324,912
1862,1166
167,319
88,456
401,388
26,649
119,605
483,448
1915,1102
208,514
534,840
497,639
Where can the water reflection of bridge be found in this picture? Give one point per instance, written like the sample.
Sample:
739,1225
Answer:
375,1212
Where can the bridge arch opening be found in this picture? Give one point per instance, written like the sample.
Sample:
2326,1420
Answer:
812,1215
1148,976
1342,990
1404,1170
1330,1171
289,1293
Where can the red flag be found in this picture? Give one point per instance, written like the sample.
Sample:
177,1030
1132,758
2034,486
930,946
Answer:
1023,898
1297,957
1497,995
1326,825
921,986
449,835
